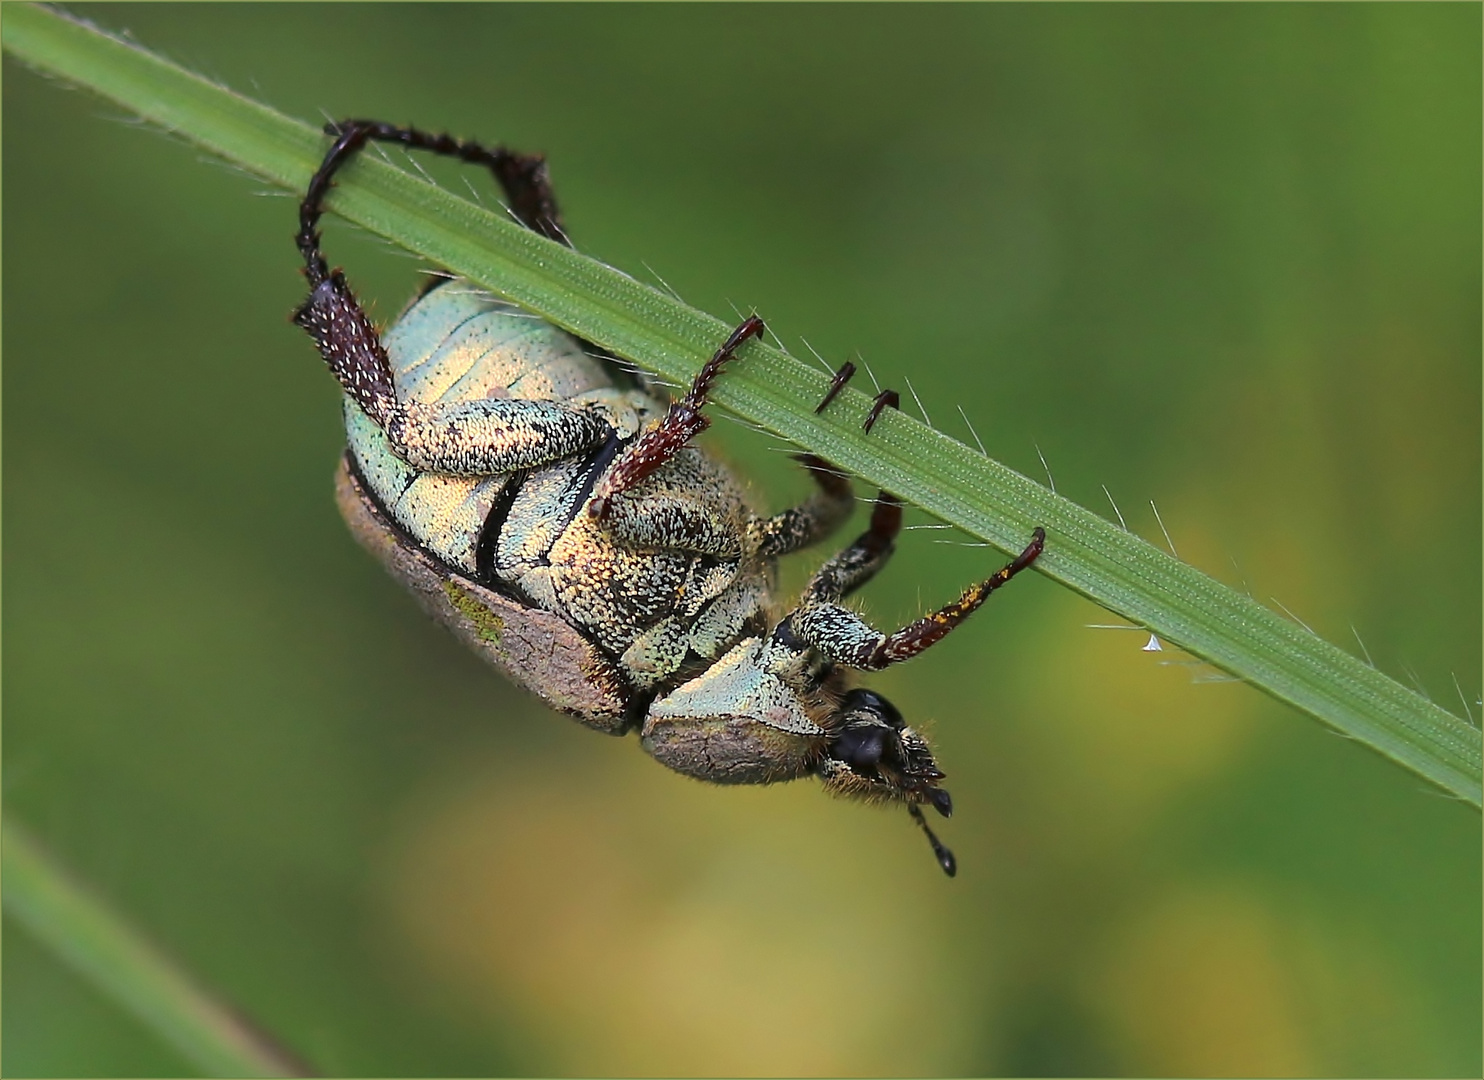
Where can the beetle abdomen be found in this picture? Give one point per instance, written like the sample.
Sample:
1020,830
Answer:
458,343
534,648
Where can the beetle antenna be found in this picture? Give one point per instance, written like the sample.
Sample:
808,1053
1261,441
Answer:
945,857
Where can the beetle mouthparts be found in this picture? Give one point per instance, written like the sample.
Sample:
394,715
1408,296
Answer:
942,801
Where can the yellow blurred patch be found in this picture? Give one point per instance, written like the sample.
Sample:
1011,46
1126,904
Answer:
701,931
1131,729
1198,987
1218,980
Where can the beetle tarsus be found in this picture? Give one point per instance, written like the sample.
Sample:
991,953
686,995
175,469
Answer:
522,177
887,399
843,376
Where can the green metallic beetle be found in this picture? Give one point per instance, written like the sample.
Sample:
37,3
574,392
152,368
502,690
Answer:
542,503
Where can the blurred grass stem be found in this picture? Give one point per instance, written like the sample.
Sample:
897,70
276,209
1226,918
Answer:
1084,552
67,917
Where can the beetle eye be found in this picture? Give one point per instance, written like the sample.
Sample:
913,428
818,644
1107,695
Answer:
860,748
868,701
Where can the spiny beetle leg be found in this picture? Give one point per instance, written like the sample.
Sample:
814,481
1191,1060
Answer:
913,639
349,344
523,177
346,145
884,400
683,421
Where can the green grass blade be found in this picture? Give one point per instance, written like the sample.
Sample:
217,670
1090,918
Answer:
1084,552
117,959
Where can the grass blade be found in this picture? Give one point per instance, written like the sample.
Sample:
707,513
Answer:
117,959
1084,552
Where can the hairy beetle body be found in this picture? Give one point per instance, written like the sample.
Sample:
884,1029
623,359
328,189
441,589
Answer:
557,519
689,591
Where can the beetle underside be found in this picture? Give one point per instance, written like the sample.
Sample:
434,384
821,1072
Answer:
560,522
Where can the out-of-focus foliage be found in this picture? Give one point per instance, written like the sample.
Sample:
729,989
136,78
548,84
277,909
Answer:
1224,258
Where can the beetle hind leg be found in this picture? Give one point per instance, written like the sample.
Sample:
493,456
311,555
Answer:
348,342
523,178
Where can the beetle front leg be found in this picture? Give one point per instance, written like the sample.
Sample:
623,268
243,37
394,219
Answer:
663,440
843,637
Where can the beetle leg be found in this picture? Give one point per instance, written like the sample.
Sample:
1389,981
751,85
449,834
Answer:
662,441
346,339
847,571
914,638
843,376
810,521
476,437
523,178
490,435
845,638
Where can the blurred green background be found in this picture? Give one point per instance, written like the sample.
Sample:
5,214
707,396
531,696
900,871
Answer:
1222,257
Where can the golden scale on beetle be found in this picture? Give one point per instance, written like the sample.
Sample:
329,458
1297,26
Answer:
543,503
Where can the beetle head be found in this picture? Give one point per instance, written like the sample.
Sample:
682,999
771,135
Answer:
872,754
759,714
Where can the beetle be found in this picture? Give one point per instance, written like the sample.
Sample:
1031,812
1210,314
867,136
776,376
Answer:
542,502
